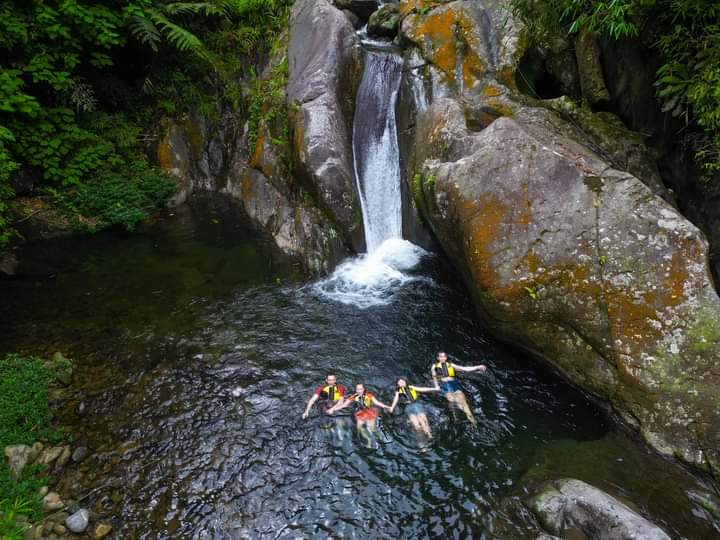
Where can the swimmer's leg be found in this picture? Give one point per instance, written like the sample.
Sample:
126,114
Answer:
415,422
363,432
458,399
424,425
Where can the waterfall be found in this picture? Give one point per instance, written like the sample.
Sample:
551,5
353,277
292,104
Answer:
375,148
374,278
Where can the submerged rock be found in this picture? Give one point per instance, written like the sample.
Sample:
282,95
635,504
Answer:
572,504
78,521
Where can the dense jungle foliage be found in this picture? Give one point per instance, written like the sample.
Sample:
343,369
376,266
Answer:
83,83
685,33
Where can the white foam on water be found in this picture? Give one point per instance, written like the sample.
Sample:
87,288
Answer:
373,279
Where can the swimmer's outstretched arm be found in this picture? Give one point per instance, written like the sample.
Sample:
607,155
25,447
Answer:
481,368
394,402
340,405
310,403
426,389
380,403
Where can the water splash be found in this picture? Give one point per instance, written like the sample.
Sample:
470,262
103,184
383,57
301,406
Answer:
373,279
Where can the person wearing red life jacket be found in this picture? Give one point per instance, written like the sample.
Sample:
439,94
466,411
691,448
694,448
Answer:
408,395
329,394
366,411
445,371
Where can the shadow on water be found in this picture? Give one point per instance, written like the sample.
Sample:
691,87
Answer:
197,346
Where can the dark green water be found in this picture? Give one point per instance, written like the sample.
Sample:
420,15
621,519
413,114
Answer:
197,346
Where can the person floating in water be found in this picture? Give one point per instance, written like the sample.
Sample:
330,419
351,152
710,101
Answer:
366,411
415,411
445,371
329,394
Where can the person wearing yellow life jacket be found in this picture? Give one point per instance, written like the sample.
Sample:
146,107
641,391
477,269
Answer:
415,411
366,410
445,372
328,394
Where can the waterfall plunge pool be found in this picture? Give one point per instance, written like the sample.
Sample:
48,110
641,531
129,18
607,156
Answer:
197,346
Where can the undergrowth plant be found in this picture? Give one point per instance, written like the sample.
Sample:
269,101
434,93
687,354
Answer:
25,417
67,65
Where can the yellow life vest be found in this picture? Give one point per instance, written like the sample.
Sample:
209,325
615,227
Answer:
411,395
364,401
331,392
444,370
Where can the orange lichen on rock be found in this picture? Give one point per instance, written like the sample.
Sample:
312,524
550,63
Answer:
246,187
498,107
484,221
438,31
491,91
407,6
674,282
507,77
473,68
165,158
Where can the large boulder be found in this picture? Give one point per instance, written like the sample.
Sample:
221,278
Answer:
325,68
570,504
581,264
568,253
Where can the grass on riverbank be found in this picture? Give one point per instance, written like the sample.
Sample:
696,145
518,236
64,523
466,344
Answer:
25,417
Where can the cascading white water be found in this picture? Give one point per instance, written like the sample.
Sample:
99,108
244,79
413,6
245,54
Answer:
373,278
375,148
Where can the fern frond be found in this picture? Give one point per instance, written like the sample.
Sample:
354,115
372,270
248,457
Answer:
145,31
177,36
218,8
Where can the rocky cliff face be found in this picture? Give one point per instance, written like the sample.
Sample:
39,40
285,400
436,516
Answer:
561,230
296,181
555,215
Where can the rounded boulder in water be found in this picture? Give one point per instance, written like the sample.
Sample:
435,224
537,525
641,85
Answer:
78,521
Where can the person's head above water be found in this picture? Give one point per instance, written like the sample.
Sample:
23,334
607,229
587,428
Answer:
330,379
401,383
359,388
442,356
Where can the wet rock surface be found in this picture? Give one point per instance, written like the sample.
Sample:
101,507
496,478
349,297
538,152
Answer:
567,251
570,505
361,8
324,71
384,22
